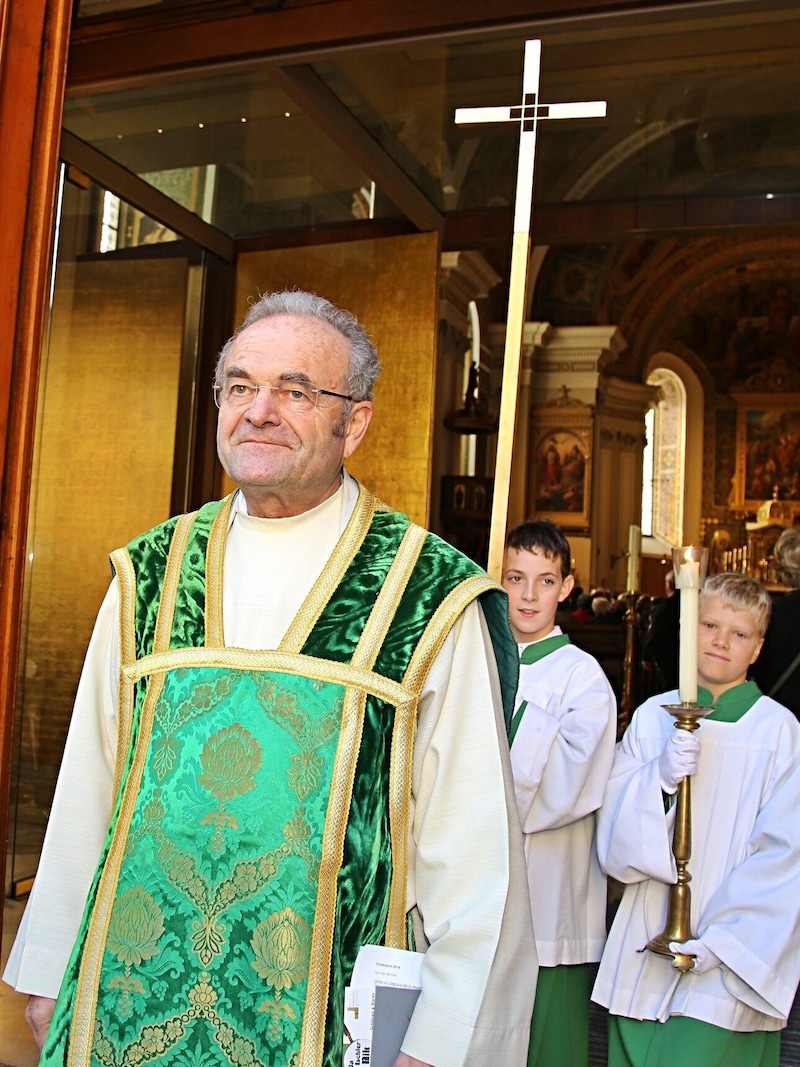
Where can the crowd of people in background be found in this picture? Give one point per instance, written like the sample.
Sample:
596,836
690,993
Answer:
598,605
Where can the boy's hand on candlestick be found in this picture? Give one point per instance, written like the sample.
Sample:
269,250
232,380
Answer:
678,759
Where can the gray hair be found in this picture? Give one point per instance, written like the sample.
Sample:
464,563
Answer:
741,593
363,364
787,556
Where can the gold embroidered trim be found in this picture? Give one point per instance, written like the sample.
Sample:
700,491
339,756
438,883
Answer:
126,582
383,611
402,757
215,633
169,587
400,779
336,818
281,662
82,1032
332,573
403,729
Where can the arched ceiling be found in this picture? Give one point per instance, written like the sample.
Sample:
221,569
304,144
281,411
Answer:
731,300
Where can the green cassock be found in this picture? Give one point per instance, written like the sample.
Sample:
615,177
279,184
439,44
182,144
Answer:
263,798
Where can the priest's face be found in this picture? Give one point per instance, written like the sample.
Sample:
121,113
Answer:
535,588
728,642
286,461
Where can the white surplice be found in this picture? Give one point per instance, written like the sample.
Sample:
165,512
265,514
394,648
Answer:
561,758
744,866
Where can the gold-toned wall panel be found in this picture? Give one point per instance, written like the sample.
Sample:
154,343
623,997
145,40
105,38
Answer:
103,473
390,284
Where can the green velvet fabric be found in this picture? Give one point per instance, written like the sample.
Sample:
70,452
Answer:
495,609
148,555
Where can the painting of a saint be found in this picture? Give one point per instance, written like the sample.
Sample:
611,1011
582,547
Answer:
561,473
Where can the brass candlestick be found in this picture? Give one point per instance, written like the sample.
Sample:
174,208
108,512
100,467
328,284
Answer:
679,904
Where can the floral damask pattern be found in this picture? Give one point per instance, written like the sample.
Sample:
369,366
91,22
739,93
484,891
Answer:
282,944
311,735
205,891
201,699
136,925
230,761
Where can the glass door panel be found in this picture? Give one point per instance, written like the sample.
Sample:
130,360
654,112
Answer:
103,466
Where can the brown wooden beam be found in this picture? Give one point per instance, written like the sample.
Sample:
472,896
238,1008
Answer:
153,40
582,223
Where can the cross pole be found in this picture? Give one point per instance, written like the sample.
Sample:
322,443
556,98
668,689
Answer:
527,114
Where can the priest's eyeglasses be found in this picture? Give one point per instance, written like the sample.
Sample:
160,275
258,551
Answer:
297,397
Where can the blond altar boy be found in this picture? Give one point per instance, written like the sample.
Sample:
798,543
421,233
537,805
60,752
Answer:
730,1007
562,747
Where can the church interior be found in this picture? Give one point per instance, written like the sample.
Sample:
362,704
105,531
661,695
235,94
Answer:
173,158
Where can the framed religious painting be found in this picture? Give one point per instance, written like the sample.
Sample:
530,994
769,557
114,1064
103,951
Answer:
767,450
560,466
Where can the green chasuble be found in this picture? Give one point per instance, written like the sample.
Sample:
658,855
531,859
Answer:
262,798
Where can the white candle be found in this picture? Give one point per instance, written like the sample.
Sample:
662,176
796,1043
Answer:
687,664
688,576
634,552
688,581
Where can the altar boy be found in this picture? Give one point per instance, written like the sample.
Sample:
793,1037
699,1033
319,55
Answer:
730,1007
562,747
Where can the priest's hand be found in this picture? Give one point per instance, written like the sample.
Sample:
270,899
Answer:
704,958
408,1061
678,759
38,1013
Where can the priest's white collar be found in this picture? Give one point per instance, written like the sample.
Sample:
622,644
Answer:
341,503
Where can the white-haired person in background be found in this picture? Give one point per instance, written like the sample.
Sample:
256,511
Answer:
777,669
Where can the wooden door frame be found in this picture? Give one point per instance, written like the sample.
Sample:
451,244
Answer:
34,35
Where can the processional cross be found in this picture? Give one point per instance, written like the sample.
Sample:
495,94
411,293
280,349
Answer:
527,114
